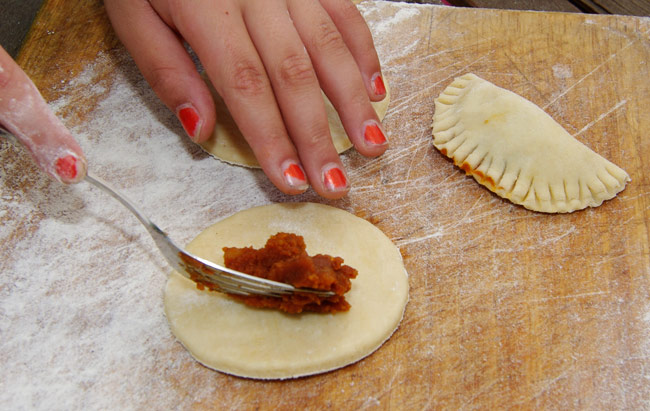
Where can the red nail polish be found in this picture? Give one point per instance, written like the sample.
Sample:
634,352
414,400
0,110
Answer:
373,134
66,167
190,119
378,84
334,178
294,175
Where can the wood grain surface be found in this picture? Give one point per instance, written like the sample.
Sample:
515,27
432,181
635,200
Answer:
628,7
544,5
508,308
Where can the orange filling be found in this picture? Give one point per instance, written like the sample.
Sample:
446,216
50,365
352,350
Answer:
284,259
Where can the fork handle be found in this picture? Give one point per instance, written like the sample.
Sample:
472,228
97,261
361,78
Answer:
102,185
162,240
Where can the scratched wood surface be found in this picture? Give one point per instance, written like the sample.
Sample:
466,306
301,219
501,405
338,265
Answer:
628,7
508,308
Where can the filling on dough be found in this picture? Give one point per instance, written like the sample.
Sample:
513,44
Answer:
229,336
284,259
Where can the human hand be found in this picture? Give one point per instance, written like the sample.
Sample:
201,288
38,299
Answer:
24,113
268,59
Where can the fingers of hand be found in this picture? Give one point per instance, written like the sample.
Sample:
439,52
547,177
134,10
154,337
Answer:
339,74
268,59
297,92
238,74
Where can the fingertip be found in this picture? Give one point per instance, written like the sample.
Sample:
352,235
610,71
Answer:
193,122
70,168
377,88
334,182
197,116
294,177
190,119
287,175
375,141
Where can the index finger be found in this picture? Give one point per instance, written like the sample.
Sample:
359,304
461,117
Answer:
24,113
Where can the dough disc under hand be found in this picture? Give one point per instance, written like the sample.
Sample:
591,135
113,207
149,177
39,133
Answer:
228,144
228,336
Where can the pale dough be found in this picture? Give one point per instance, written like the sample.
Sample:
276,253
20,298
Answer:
229,336
515,149
228,144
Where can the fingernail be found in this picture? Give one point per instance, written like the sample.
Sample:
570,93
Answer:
334,178
68,168
378,84
294,175
190,120
373,134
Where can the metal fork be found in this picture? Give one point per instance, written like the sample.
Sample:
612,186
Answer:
197,269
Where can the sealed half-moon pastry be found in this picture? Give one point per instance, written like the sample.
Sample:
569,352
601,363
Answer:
512,147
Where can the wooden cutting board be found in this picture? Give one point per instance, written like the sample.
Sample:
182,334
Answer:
508,308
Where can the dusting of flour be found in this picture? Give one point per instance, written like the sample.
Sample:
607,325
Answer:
384,27
81,313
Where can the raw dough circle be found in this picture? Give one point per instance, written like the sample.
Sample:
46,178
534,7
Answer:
231,337
228,144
